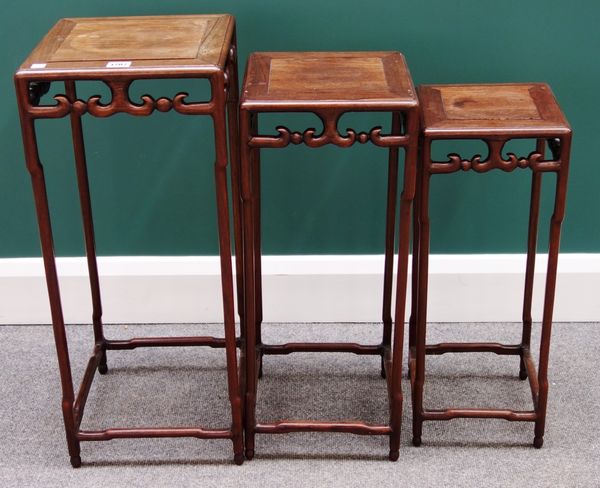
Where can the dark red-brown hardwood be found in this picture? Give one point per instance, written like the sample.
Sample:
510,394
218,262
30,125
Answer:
118,51
328,84
496,114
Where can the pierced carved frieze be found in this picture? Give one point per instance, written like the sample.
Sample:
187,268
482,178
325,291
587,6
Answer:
119,103
329,135
495,160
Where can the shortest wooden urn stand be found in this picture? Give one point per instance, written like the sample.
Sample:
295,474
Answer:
495,114
329,84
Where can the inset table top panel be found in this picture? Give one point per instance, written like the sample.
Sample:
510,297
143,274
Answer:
170,43
298,80
513,109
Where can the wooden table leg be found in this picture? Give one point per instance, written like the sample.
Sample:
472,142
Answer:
220,131
256,193
390,240
414,296
406,200
554,243
36,171
534,212
423,279
234,157
88,225
249,281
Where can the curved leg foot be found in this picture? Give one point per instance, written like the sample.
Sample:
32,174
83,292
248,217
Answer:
76,461
238,458
522,370
417,430
394,455
249,454
102,367
538,442
383,367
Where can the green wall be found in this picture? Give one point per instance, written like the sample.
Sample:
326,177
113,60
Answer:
152,177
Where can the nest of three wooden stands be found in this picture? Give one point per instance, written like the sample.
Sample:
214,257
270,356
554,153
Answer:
118,51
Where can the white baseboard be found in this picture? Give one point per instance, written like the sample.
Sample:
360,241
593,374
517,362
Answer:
462,288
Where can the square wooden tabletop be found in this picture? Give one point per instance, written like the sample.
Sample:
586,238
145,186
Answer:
170,44
513,109
354,80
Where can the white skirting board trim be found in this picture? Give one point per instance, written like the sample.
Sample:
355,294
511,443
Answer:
333,288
